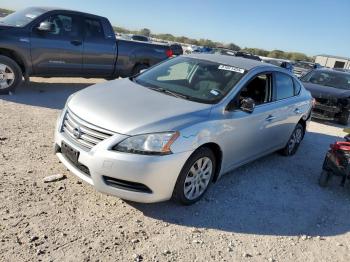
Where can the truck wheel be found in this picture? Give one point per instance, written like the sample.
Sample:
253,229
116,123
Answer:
344,117
138,68
324,178
10,75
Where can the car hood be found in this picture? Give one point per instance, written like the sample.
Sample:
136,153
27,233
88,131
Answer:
125,107
320,91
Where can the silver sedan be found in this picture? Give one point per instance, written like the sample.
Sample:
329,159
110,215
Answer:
172,130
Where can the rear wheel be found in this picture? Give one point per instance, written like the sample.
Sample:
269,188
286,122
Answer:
195,177
344,117
10,75
294,141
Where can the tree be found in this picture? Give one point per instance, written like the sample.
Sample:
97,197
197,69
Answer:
277,54
145,32
233,47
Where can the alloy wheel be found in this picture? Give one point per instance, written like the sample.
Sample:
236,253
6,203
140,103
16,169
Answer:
7,76
295,139
198,178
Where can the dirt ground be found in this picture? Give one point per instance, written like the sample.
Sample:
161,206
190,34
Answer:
269,210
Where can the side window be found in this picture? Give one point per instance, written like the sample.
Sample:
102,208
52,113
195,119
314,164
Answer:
93,29
63,26
284,86
259,89
297,87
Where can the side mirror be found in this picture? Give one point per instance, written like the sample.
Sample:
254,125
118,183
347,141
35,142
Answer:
45,27
247,105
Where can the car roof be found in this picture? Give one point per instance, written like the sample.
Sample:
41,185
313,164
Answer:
236,61
49,9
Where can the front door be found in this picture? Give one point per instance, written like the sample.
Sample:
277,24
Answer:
250,135
59,51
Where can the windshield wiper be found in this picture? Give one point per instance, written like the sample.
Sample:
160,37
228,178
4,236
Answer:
168,92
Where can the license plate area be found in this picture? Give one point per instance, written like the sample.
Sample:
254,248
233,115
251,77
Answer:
70,153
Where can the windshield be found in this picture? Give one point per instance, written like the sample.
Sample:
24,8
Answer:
22,18
193,79
325,78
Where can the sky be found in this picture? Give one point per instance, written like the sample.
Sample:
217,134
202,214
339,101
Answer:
309,26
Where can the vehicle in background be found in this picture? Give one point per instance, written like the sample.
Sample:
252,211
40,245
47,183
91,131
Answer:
247,55
331,90
177,49
203,50
281,63
50,42
206,114
229,52
140,38
302,67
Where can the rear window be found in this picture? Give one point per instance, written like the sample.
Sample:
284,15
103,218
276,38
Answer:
93,28
284,86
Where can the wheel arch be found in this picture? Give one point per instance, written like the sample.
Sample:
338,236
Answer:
216,149
15,57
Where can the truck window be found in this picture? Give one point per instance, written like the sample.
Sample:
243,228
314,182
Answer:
93,29
64,26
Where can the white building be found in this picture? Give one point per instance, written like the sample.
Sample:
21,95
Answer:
333,61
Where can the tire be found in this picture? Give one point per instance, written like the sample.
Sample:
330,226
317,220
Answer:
191,186
138,68
324,178
344,117
10,75
294,141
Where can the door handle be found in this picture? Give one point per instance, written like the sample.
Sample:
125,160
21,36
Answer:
297,111
270,118
76,42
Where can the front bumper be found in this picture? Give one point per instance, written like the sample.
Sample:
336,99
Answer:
138,178
325,111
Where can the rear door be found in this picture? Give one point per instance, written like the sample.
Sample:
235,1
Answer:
287,111
58,52
99,49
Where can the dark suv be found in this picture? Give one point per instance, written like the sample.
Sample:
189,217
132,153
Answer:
331,90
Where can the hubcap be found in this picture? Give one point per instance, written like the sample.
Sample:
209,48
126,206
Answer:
295,139
7,76
198,178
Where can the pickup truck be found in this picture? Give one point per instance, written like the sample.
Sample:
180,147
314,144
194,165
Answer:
51,42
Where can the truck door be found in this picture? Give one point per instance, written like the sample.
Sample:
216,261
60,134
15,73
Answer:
58,51
99,48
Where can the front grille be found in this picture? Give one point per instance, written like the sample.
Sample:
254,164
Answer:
126,185
83,133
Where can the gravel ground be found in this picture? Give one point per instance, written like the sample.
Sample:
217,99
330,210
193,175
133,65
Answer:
269,210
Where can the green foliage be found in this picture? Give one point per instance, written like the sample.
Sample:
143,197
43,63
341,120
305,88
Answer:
5,12
145,32
278,54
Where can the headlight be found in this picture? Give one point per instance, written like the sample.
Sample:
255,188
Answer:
148,144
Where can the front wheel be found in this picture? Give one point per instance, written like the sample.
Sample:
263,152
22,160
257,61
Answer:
10,75
294,141
195,177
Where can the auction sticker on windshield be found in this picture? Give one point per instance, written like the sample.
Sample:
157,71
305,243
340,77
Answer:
231,68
